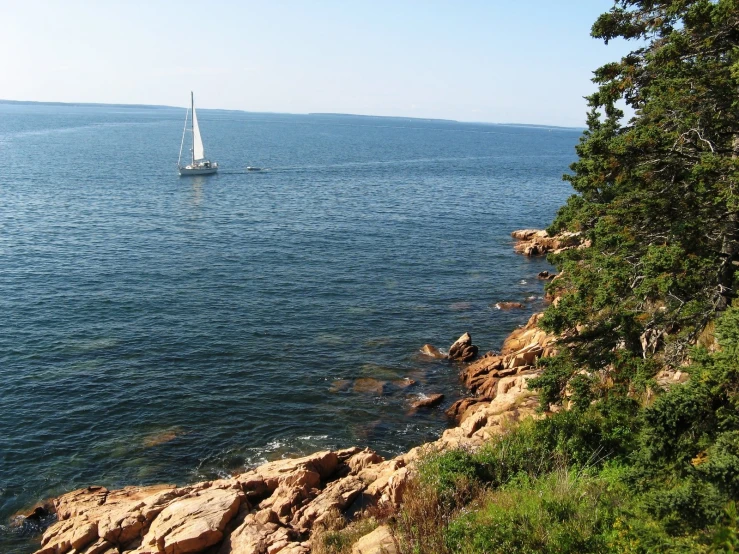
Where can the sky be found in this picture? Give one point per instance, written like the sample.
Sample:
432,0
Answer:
490,61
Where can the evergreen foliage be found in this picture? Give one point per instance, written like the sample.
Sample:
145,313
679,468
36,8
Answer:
628,466
657,195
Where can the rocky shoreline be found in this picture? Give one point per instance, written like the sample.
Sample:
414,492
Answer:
275,507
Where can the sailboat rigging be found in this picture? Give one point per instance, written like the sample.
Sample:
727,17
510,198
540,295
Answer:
199,164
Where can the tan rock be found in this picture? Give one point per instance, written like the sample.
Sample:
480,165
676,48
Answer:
525,234
337,495
478,371
473,420
432,352
507,305
278,547
266,478
489,387
379,541
295,548
125,521
293,490
389,483
456,410
463,350
396,486
194,522
427,401
255,535
535,243
161,437
377,475
363,459
100,547
369,385
35,515
68,534
284,502
345,453
79,501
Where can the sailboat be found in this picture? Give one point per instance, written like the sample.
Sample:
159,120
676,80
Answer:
199,164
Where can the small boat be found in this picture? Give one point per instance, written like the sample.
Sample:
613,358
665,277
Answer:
251,168
199,164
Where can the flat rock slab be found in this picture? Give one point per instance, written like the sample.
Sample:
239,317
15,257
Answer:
508,305
379,541
193,523
369,385
428,401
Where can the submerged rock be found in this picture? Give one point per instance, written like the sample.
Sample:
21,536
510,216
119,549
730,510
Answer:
432,352
161,437
369,385
403,383
340,385
428,401
507,305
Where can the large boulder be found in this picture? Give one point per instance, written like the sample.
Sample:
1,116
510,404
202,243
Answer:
68,534
463,350
193,523
262,481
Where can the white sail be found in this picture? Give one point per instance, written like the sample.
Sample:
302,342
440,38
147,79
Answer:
198,152
199,165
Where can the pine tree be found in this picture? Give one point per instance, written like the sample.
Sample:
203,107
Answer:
658,195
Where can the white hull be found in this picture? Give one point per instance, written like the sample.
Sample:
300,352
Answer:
198,170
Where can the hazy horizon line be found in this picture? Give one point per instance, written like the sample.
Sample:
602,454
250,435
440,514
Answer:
337,114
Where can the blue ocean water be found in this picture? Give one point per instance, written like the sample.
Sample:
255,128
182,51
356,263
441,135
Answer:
157,328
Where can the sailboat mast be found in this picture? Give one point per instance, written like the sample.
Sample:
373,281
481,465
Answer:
182,142
192,107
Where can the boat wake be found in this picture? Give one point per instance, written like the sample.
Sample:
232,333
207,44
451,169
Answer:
245,171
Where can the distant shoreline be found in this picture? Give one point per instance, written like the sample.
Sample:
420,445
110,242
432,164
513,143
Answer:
86,104
323,114
401,117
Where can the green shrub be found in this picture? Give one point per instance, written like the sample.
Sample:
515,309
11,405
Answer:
722,464
725,537
453,475
560,512
336,535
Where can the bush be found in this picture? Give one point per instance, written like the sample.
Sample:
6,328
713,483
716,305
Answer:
560,512
453,476
336,535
